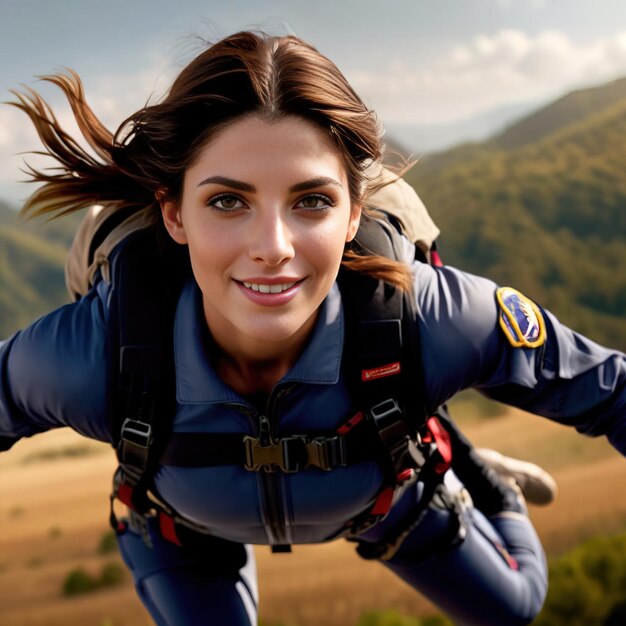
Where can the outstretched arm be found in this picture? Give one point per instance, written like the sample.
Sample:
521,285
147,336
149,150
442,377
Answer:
565,377
55,373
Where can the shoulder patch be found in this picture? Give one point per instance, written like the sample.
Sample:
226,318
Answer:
520,319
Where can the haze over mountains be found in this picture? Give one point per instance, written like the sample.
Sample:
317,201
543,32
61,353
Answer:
540,206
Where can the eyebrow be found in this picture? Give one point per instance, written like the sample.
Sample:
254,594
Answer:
320,181
228,182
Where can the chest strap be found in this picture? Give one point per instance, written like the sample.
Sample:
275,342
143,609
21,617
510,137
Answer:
288,454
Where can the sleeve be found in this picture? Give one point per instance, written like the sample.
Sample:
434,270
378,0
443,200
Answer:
55,373
474,334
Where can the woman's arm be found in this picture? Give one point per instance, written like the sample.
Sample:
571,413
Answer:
566,377
55,373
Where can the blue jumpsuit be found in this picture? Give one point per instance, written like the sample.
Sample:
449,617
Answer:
55,373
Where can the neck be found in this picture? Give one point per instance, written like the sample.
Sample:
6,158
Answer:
250,366
247,377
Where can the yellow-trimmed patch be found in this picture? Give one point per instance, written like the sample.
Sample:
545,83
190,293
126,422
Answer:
520,319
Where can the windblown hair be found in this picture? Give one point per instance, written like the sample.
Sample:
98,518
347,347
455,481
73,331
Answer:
244,74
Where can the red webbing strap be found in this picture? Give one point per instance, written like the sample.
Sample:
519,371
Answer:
383,502
350,424
443,444
167,526
125,495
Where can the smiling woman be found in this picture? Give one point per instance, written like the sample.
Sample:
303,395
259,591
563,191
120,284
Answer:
265,212
288,386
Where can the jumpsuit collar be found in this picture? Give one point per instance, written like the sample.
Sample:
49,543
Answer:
198,382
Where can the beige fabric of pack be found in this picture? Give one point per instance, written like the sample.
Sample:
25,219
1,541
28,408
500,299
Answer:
395,196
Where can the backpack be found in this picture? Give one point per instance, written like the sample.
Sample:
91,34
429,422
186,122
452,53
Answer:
146,273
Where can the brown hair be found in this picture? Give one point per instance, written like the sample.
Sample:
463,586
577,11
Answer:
246,73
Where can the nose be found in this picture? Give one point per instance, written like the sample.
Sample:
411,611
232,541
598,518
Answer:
271,240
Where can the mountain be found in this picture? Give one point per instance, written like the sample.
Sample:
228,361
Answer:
31,273
570,109
419,138
542,207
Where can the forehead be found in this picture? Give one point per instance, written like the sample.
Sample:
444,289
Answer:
255,147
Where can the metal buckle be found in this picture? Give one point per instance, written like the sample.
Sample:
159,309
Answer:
292,454
136,432
396,437
281,454
326,453
134,448
386,413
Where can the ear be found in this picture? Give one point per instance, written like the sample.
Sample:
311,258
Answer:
171,217
354,223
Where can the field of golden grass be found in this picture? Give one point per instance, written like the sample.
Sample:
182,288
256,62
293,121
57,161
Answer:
54,510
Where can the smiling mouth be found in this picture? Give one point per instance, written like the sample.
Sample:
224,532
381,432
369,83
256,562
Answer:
261,288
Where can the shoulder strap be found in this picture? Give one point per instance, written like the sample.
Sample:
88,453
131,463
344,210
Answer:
145,281
381,354
381,348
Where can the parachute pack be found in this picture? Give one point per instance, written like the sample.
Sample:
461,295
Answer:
381,356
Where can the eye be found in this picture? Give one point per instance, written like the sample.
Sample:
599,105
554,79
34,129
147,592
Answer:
315,202
226,203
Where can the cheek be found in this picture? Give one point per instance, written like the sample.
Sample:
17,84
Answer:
208,253
326,246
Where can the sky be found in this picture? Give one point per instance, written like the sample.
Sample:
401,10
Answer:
436,71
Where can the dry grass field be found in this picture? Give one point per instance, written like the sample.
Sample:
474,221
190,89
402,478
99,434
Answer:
54,509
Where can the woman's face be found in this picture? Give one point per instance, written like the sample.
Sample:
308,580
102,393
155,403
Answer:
265,211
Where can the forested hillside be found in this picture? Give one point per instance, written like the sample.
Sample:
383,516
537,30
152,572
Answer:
547,215
31,271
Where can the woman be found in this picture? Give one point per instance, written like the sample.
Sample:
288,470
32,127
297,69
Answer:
255,163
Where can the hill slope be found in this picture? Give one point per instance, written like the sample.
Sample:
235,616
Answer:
570,109
548,217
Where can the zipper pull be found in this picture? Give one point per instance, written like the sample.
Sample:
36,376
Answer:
265,437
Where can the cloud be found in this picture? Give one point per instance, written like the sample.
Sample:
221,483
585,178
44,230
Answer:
490,71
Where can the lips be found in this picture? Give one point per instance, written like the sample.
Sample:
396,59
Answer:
270,292
265,288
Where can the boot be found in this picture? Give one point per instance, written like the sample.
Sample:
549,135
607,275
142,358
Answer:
496,482
536,484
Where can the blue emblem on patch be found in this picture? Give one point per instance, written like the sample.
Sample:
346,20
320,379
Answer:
520,319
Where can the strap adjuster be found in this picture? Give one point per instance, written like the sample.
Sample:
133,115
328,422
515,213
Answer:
136,432
326,453
292,454
134,448
395,436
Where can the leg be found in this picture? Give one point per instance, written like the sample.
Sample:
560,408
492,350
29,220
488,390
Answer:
214,584
474,581
494,574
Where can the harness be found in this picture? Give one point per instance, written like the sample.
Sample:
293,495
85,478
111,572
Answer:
380,357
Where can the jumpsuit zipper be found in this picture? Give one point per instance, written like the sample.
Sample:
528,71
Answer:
269,482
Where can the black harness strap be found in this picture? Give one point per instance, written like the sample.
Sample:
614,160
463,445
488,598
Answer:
381,353
145,282
288,454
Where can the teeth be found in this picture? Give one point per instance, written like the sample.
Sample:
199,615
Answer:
269,288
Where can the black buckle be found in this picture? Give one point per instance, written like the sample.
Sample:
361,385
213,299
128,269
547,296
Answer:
292,454
136,432
134,448
326,453
389,421
395,435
